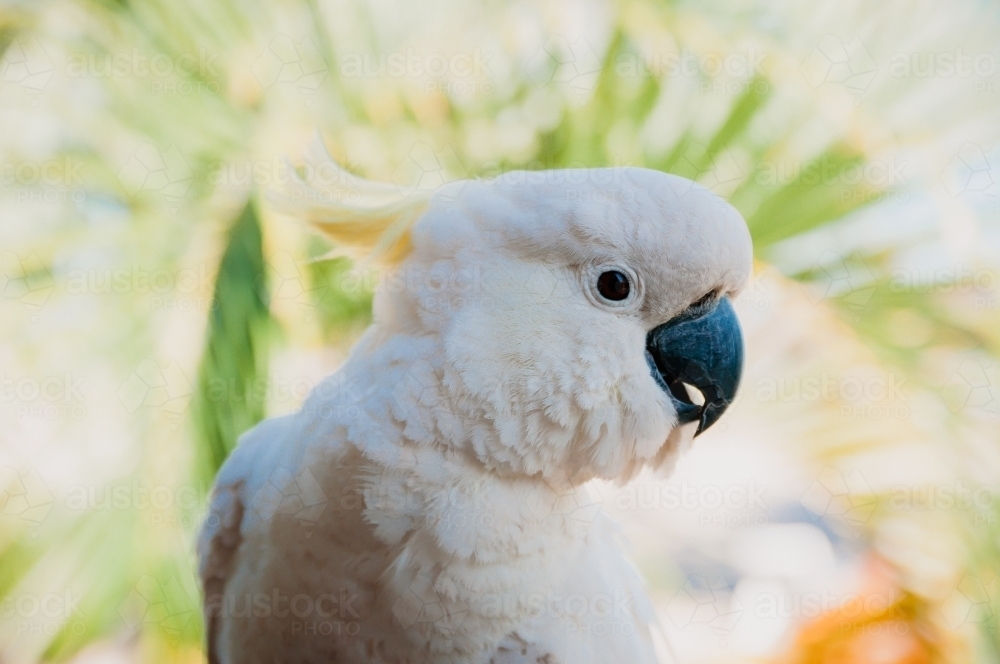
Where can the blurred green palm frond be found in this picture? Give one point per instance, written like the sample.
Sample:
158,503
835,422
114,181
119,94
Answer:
230,397
227,133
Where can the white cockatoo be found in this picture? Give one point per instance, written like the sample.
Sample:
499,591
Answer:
429,501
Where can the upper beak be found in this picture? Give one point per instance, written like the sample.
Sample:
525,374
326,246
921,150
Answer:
703,351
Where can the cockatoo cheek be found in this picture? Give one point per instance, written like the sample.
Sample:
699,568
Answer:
561,383
642,416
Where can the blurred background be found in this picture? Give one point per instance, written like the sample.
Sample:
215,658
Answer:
153,306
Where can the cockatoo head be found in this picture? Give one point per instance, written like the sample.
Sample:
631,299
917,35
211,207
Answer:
568,310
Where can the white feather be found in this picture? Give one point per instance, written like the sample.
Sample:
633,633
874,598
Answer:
429,502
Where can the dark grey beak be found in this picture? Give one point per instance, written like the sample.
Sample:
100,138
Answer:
703,350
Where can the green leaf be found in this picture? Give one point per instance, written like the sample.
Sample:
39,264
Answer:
232,380
817,195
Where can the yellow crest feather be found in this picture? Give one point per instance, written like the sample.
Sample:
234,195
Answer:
365,219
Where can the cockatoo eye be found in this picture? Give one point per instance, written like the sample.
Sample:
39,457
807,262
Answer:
613,285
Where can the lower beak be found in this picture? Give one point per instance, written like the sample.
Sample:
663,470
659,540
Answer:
704,352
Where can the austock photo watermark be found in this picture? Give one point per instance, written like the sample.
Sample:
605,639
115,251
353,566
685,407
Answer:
869,613
975,601
291,61
572,65
970,602
27,279
394,497
331,183
859,396
180,289
62,179
844,495
436,288
859,182
167,603
333,613
979,67
177,74
719,607
296,495
54,180
978,500
731,505
705,604
846,60
596,614
459,73
716,505
325,181
979,284
731,72
158,504
27,63
847,495
151,170
32,63
973,390
169,387
973,174
54,397
164,387
44,614
575,65
24,496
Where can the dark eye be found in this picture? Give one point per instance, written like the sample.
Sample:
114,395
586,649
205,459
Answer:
613,285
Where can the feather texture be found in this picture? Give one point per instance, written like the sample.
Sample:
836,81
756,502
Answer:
429,503
365,219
